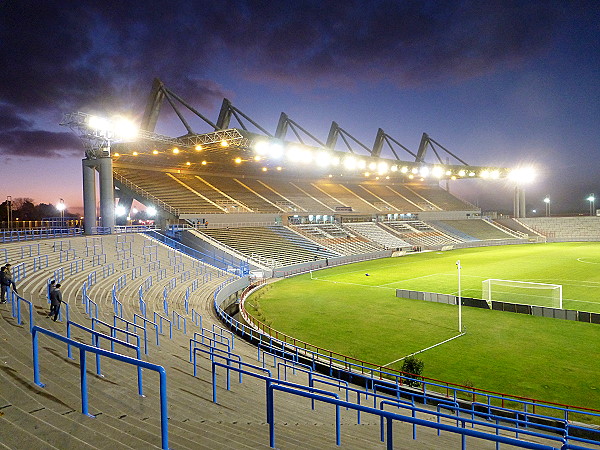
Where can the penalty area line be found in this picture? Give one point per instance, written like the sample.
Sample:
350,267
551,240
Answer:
425,349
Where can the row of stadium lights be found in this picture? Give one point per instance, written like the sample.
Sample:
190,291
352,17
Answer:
322,158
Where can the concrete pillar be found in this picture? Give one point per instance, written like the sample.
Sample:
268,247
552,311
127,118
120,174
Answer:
522,204
516,200
89,195
107,193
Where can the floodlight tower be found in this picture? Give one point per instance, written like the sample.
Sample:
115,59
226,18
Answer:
592,200
97,134
521,177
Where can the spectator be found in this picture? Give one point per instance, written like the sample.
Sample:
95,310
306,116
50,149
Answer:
6,281
55,301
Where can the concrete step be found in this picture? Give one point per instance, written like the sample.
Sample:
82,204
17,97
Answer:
45,431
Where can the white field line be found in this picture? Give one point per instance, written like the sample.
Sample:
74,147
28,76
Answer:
352,284
425,349
581,260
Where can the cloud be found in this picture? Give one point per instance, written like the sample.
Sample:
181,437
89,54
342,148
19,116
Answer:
101,57
39,144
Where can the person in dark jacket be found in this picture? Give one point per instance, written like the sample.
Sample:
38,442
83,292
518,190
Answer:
55,301
6,281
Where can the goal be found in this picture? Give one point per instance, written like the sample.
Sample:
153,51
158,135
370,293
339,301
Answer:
524,292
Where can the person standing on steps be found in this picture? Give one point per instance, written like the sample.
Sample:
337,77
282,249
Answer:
6,281
55,301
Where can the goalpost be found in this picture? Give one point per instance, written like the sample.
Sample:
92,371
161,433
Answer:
524,292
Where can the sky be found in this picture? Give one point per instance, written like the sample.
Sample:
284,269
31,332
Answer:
503,83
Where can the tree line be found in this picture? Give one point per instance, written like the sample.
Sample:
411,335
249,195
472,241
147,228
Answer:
23,209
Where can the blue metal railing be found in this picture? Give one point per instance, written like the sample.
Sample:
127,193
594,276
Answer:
83,348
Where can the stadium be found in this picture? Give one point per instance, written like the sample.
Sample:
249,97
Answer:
279,287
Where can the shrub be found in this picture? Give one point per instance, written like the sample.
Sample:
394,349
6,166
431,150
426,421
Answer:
414,366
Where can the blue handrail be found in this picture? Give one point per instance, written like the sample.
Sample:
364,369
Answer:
96,335
15,301
83,348
390,417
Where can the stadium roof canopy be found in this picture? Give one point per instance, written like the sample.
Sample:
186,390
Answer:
239,150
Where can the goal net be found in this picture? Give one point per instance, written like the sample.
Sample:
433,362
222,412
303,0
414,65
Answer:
524,292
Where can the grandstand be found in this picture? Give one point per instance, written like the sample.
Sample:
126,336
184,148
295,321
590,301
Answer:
229,210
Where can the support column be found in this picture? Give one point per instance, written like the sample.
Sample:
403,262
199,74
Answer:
107,193
522,204
89,195
516,200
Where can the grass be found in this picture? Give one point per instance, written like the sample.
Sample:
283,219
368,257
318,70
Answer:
343,310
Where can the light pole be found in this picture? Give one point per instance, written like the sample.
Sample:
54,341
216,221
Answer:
459,299
61,207
547,202
592,200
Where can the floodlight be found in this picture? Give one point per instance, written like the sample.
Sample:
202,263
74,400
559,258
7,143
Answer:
124,128
134,210
61,205
323,159
116,154
424,171
238,160
448,172
176,150
120,210
547,200
203,163
294,153
198,147
335,161
279,168
276,151
257,158
394,168
224,143
485,174
411,176
495,174
350,162
155,152
306,156
461,173
382,167
98,123
261,147
151,211
522,175
135,153
414,170
372,166
264,169
187,163
591,198
471,174
362,164
404,169
438,171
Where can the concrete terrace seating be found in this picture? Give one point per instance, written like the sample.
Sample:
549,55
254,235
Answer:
583,227
377,234
515,226
162,186
336,238
274,246
478,229
442,198
50,417
418,233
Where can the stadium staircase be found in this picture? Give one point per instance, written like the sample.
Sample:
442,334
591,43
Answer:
50,417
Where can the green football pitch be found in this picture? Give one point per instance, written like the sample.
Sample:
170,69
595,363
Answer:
344,310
